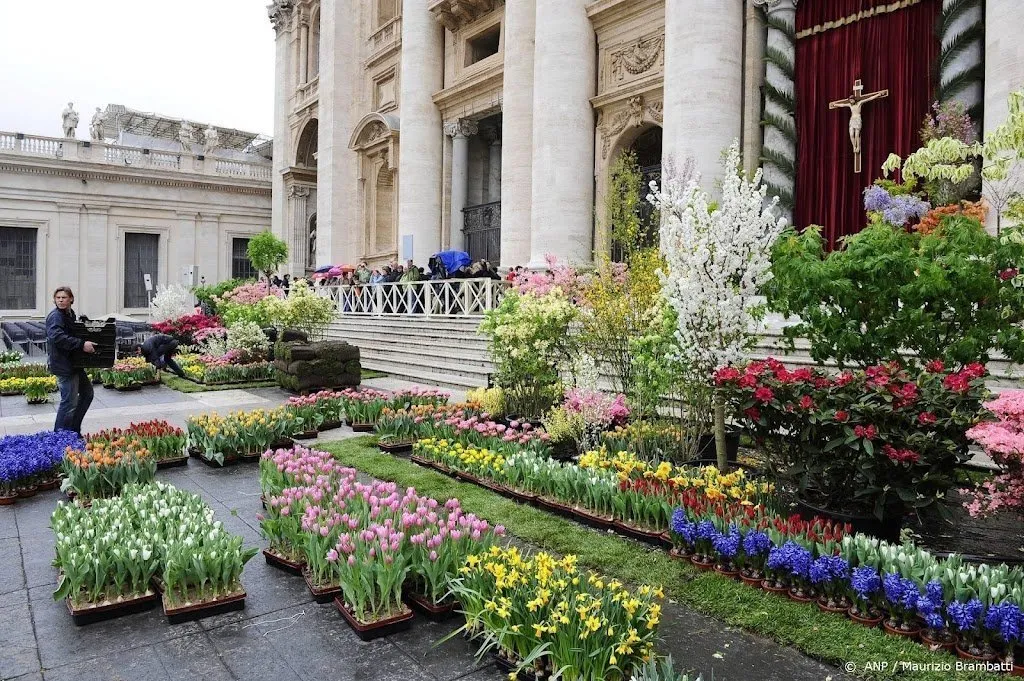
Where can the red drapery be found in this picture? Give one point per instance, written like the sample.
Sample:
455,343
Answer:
896,51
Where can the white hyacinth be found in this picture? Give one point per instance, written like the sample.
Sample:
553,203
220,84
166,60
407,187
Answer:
718,258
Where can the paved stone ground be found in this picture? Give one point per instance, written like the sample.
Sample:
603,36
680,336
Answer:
282,634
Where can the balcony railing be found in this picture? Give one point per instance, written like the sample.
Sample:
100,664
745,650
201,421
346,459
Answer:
35,146
452,297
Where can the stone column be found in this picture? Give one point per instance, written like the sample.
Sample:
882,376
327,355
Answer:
460,132
298,196
339,231
101,265
493,138
419,165
1004,74
517,123
703,83
69,233
753,81
282,89
780,123
564,77
303,50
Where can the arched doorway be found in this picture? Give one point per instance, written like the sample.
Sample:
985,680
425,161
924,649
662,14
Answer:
305,150
647,149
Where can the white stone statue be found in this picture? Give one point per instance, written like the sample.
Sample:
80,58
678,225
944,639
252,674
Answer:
211,140
96,126
186,135
70,120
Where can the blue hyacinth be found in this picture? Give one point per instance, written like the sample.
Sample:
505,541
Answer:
965,616
930,605
24,456
1006,619
865,582
756,543
726,545
684,527
827,569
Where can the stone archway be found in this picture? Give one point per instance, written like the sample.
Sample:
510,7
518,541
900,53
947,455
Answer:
306,147
375,140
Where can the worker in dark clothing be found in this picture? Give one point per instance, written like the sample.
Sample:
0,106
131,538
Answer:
159,351
75,386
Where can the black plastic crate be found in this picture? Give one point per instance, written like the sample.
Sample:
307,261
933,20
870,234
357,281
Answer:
104,336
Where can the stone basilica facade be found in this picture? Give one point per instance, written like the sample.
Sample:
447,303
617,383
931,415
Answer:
404,127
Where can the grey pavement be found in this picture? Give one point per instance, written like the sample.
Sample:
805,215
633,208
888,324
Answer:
282,634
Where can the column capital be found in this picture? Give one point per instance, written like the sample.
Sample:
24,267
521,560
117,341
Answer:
776,5
461,128
278,12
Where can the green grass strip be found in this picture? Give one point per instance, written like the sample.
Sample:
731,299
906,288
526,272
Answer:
829,638
185,386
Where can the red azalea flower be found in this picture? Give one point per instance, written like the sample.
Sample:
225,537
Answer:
747,381
926,417
806,403
868,432
844,378
764,395
753,413
935,366
842,416
726,374
901,455
1008,273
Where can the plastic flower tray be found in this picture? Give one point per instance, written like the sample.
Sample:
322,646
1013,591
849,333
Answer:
321,594
209,608
278,561
395,448
89,614
172,463
434,613
373,630
363,427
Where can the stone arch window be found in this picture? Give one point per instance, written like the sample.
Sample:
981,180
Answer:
314,45
386,11
307,146
384,209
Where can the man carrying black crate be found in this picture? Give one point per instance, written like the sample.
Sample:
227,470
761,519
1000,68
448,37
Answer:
74,383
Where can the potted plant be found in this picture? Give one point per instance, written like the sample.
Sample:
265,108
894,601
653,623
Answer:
395,430
751,560
307,416
727,546
830,578
931,608
38,389
975,639
867,594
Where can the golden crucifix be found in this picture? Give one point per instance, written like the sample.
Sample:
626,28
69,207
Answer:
854,103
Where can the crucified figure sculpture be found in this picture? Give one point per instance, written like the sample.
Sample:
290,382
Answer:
854,103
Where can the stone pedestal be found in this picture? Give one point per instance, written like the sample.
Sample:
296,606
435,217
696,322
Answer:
564,77
703,83
420,162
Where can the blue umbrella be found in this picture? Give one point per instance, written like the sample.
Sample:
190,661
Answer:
323,268
453,260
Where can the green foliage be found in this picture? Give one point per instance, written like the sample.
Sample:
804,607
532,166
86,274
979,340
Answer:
258,313
940,295
267,252
303,310
205,294
529,340
622,201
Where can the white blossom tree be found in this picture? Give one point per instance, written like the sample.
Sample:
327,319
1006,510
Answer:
718,257
170,302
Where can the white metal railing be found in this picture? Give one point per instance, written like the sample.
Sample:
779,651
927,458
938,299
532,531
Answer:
456,297
94,151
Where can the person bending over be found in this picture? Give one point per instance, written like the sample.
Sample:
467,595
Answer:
159,351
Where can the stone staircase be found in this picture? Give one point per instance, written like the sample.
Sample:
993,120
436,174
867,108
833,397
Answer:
447,351
443,351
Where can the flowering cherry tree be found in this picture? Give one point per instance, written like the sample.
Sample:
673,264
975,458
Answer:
718,258
171,302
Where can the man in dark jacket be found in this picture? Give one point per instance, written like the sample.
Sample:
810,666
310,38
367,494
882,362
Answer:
159,351
75,386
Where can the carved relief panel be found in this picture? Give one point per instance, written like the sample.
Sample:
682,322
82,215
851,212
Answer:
626,62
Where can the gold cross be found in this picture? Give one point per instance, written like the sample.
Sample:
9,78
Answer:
854,103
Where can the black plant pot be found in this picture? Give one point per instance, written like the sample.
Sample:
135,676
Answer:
564,451
706,447
888,528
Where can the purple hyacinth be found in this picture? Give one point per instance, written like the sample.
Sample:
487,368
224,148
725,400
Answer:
706,530
1006,619
865,582
901,592
876,198
896,210
726,545
827,569
684,527
929,606
792,558
965,615
756,543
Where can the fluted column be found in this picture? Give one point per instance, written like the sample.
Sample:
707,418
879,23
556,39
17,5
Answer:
304,50
517,124
420,157
780,123
703,82
283,87
339,232
460,132
564,77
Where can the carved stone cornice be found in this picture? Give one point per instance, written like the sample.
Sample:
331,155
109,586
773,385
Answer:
279,12
455,14
635,114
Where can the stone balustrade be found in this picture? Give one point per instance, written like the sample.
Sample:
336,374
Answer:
447,297
385,37
36,146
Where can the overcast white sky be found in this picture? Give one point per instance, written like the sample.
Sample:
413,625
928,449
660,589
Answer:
206,60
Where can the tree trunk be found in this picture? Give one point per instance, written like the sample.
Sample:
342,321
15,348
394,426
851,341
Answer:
720,449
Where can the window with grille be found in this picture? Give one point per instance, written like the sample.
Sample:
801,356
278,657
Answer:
18,265
141,256
241,266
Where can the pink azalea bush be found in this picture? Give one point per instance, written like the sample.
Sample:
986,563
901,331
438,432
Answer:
597,408
249,294
562,276
1003,441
